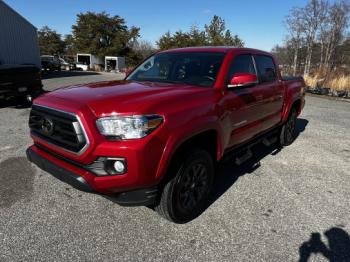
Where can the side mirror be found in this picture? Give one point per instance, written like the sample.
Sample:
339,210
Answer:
242,80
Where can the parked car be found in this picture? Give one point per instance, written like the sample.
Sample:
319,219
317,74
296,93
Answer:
72,66
155,138
51,63
22,82
64,65
81,66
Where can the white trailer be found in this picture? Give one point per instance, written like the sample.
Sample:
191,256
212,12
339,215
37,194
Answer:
89,60
114,63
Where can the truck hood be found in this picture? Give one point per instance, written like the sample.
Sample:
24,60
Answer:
126,97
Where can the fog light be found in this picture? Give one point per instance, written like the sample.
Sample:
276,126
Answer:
119,166
104,166
115,166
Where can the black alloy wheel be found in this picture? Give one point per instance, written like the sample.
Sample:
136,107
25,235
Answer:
288,131
185,195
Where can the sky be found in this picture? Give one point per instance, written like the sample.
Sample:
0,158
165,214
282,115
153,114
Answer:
257,22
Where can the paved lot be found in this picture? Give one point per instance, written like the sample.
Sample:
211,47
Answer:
296,202
54,80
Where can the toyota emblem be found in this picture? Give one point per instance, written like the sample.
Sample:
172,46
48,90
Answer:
47,126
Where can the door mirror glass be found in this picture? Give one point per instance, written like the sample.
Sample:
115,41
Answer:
242,80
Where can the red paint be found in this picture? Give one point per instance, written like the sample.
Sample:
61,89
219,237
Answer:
235,115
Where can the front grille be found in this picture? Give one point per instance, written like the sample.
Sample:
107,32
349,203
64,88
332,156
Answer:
57,127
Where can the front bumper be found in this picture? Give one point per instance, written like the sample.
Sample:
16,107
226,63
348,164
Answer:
61,173
80,179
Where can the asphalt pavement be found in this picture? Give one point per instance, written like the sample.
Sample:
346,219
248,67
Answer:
286,205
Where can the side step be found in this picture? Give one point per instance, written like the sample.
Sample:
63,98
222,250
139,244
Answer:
268,141
240,158
244,152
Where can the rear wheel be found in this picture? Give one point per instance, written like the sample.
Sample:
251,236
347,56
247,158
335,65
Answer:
185,195
288,130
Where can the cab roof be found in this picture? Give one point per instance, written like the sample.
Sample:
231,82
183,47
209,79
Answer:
223,49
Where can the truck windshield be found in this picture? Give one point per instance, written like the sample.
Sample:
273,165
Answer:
194,68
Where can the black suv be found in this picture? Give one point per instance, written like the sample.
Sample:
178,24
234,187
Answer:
50,62
20,81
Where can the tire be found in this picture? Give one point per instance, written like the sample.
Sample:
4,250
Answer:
184,197
288,131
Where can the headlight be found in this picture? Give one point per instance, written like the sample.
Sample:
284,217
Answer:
128,127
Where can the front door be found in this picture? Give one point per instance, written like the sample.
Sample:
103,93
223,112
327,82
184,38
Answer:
243,104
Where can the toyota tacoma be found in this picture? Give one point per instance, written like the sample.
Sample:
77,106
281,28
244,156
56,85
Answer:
155,138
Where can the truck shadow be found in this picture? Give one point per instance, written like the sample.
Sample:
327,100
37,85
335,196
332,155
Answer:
338,248
228,173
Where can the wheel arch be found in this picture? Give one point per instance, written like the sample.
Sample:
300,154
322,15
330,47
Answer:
297,104
208,138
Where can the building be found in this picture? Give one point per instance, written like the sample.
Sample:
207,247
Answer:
90,60
114,63
18,38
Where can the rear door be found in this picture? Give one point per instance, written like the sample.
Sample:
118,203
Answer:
271,90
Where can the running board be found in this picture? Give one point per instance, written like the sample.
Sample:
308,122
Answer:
241,158
243,152
268,141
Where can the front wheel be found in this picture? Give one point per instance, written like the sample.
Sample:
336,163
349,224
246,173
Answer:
185,195
288,131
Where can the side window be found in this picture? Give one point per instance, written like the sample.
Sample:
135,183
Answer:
241,64
266,68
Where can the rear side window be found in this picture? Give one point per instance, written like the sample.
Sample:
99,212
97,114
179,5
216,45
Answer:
266,68
241,64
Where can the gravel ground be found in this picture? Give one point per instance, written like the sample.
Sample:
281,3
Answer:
293,204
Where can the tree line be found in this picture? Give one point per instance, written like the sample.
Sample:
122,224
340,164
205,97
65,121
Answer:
317,37
102,34
97,33
214,34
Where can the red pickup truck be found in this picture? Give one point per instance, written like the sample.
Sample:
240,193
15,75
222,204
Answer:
154,138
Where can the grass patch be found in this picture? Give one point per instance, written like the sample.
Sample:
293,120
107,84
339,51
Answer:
335,80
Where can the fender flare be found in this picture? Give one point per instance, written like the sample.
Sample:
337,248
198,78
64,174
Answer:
288,107
183,134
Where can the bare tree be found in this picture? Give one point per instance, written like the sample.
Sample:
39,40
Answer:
323,32
144,48
312,14
294,24
338,17
317,33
